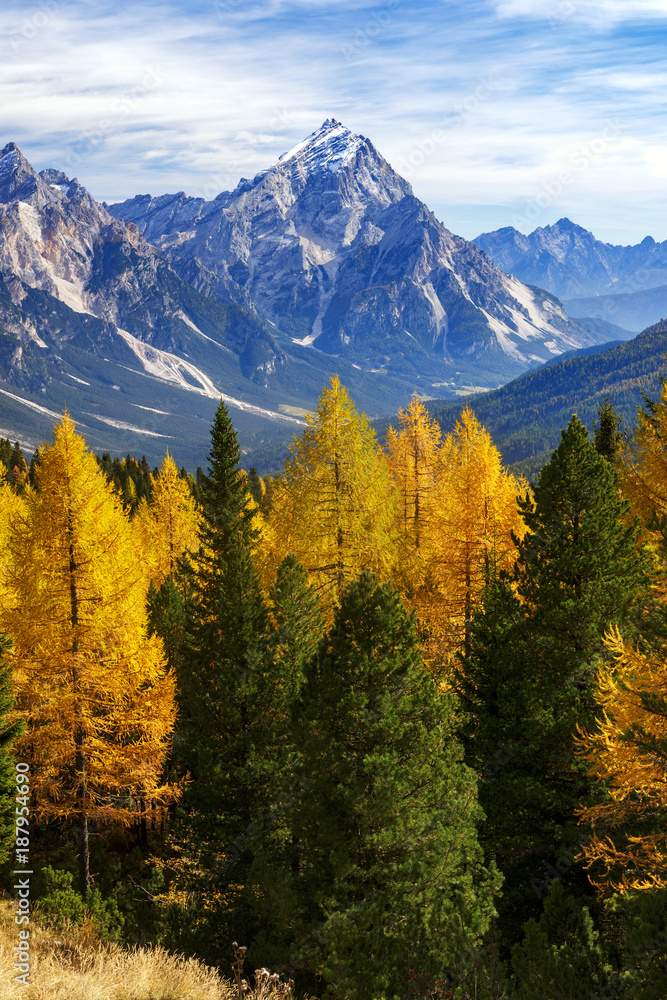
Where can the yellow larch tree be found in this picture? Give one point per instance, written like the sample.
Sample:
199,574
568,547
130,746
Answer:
10,505
628,752
478,515
415,463
169,525
334,506
644,465
89,682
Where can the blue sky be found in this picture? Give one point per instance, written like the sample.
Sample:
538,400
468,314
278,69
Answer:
499,112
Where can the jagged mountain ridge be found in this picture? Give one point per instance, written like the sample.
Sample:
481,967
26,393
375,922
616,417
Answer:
333,247
56,238
324,262
88,305
572,264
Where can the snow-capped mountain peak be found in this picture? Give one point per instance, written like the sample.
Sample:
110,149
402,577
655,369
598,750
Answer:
9,157
17,177
329,147
331,245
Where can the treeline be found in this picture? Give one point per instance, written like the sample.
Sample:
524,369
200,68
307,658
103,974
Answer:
131,478
393,720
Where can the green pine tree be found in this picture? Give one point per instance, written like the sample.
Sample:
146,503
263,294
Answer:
225,494
229,699
608,437
577,566
167,616
642,931
298,623
293,639
527,678
391,883
561,957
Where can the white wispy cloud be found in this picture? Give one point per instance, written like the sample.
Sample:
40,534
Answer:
601,13
481,104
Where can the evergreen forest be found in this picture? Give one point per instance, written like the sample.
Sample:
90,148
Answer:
389,724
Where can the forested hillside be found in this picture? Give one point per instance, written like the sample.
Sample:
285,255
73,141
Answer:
390,724
525,416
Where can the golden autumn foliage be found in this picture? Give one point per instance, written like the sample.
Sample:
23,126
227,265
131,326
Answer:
89,682
10,505
415,462
628,752
458,511
169,524
334,506
644,469
480,513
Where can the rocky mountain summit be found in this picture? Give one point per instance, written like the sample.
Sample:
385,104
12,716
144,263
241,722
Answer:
331,245
56,238
323,262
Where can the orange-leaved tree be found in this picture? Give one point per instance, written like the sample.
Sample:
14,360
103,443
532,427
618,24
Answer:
480,515
89,683
628,752
334,506
414,456
644,465
461,512
10,505
169,524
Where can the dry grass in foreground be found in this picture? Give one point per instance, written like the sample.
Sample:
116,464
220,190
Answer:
67,969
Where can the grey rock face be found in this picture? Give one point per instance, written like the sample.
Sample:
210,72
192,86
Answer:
331,245
56,238
569,262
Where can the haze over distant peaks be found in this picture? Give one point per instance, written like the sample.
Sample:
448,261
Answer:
570,262
622,289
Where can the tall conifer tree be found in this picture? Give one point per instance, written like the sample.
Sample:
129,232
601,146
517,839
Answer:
225,695
527,679
391,878
90,684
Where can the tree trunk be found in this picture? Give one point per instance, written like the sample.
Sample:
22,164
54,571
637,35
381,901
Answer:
79,735
340,538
